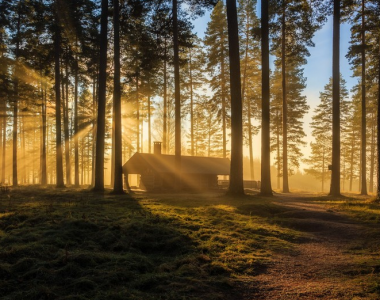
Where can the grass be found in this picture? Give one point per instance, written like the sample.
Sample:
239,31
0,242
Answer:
72,244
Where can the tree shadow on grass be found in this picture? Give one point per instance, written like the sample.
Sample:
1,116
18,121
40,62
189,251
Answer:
77,245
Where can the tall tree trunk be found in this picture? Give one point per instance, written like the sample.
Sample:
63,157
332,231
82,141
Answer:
243,99
250,142
266,186
191,105
285,178
323,169
378,129
372,166
165,117
236,173
149,125
360,172
142,132
137,115
94,118
88,160
352,160
33,157
66,123
57,51
364,112
169,120
2,115
76,131
82,160
224,109
15,103
4,143
278,154
43,137
177,93
335,172
24,169
100,131
112,149
118,177
344,174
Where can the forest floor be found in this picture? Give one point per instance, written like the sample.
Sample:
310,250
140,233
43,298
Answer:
74,244
340,259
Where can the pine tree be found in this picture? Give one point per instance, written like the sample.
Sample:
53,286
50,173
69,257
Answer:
216,41
118,176
250,51
57,71
293,27
193,80
266,186
321,127
297,108
100,132
335,169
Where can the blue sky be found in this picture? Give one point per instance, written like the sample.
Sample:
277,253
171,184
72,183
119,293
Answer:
317,71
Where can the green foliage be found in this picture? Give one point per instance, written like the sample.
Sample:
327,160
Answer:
297,108
250,67
216,42
321,130
301,23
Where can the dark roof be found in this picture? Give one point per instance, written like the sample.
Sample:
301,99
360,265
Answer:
162,163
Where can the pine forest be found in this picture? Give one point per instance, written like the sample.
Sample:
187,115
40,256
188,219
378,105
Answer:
189,149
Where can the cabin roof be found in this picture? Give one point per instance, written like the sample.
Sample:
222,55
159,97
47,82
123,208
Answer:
162,163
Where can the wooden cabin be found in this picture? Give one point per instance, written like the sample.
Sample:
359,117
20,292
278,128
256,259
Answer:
157,171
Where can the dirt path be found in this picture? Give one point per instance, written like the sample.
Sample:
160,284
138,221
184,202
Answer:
333,264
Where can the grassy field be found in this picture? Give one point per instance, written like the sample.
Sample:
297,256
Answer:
73,244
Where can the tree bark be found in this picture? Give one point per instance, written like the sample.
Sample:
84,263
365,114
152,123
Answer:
285,178
224,109
378,130
137,115
352,160
165,117
248,103
43,137
76,133
4,143
66,122
236,173
94,120
266,186
149,125
278,153
118,176
57,51
335,172
372,166
177,92
191,106
364,112
15,103
100,131
323,170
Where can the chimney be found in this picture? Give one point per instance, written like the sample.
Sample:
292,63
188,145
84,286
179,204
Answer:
157,148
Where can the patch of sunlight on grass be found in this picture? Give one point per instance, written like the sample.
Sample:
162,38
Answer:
6,214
